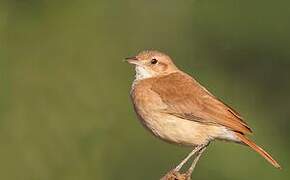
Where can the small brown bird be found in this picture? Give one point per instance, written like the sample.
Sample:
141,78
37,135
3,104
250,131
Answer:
176,108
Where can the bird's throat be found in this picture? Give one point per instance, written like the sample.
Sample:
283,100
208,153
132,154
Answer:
142,73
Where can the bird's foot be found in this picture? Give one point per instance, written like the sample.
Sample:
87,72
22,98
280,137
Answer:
176,175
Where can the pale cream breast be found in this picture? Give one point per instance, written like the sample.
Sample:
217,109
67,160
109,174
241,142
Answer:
150,110
180,131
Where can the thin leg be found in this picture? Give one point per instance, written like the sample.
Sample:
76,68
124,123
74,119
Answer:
190,170
197,149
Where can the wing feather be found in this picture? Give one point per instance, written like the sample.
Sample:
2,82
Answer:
187,99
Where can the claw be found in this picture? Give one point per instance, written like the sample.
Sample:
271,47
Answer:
175,175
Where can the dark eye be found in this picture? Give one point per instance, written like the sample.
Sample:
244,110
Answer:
154,61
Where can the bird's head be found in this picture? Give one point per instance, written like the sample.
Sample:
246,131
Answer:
151,63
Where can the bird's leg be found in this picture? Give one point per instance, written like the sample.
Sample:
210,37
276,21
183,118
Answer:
174,174
201,150
196,149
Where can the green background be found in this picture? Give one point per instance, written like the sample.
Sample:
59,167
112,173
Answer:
65,112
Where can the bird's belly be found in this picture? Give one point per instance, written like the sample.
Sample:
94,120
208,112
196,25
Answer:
180,131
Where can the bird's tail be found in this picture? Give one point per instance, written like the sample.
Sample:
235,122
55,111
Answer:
259,150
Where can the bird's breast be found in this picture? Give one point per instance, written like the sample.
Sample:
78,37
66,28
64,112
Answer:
150,111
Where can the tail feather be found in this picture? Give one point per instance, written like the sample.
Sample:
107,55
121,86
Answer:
259,150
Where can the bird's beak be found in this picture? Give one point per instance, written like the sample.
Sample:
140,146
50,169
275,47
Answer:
132,60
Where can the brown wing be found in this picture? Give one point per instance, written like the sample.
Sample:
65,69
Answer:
187,99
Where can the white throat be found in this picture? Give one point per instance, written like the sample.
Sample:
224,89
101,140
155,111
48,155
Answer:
141,73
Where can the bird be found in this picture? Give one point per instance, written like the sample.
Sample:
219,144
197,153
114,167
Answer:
176,108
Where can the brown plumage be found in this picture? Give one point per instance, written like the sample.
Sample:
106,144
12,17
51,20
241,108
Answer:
176,108
259,150
187,99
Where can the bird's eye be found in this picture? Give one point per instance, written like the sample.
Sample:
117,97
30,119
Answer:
154,61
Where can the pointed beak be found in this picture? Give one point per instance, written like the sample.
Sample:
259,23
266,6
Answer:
132,60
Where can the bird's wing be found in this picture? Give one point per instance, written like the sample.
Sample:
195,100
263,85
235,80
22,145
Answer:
187,99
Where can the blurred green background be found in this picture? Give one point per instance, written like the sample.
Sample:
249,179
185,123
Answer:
65,112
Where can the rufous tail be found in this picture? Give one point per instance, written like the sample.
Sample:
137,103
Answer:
259,150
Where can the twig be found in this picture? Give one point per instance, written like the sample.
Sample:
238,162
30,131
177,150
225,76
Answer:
173,175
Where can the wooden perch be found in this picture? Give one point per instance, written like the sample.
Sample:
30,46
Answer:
173,175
